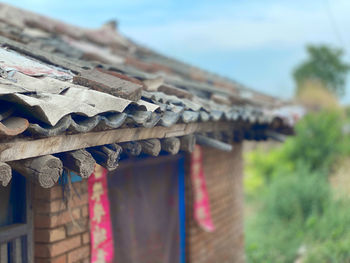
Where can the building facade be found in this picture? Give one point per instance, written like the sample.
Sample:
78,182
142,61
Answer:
111,152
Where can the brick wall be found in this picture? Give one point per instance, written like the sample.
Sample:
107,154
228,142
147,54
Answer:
223,172
58,238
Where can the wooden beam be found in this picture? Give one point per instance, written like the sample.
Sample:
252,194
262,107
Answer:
5,174
44,170
206,141
115,147
276,136
106,157
187,143
131,148
151,147
25,148
79,161
171,145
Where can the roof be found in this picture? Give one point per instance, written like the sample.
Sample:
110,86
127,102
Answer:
57,79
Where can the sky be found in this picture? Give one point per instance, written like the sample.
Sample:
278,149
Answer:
257,43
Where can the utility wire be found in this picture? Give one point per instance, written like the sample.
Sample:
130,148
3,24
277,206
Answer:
334,24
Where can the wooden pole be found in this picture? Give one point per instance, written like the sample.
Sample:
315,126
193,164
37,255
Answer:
275,136
203,140
28,148
187,143
106,157
44,170
5,174
80,162
171,145
151,147
131,148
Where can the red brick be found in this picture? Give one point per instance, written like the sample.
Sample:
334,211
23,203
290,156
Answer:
223,173
85,211
86,238
79,226
78,254
58,248
54,220
49,235
48,194
59,259
41,206
78,201
108,83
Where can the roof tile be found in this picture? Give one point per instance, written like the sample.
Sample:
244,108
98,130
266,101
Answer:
108,83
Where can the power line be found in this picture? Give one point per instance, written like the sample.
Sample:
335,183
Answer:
333,23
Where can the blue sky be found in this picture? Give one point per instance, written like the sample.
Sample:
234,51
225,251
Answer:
257,43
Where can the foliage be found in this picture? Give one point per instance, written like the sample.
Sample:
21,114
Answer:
297,196
262,168
318,141
325,65
294,201
299,211
329,237
279,231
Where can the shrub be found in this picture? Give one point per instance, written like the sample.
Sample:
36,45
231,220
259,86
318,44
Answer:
318,141
289,207
294,203
296,196
262,168
329,238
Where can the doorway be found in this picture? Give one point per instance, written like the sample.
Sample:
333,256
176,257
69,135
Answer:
147,210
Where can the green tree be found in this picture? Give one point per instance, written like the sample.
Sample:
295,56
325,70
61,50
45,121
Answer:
324,65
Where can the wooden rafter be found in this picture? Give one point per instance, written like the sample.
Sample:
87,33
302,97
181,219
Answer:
24,148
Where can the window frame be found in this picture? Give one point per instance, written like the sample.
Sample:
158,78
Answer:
17,239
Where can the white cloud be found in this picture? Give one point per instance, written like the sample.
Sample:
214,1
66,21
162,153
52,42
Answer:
241,27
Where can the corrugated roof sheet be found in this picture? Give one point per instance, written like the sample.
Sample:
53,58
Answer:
56,78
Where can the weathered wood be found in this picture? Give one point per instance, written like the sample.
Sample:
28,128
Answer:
151,147
132,148
153,84
172,90
276,136
187,143
221,99
108,83
217,135
44,170
24,148
16,250
80,162
171,145
11,232
3,253
206,141
121,76
106,157
5,174
115,147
